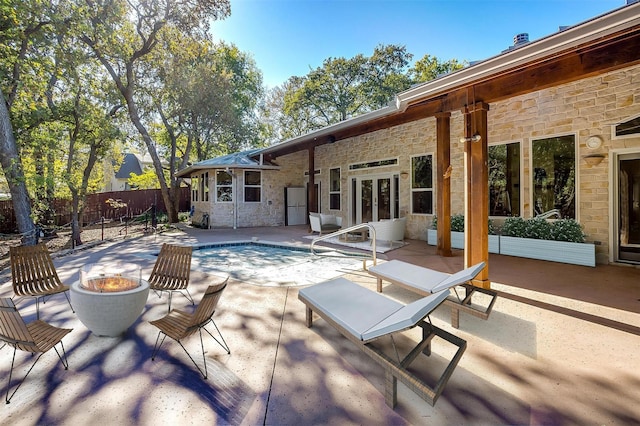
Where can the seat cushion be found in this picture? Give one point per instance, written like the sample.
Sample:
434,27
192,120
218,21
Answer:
328,219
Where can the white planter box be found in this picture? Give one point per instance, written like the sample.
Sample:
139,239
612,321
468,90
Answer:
457,240
555,251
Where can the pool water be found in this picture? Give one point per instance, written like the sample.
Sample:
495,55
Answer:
272,265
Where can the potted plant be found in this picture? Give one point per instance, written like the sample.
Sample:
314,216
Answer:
457,234
559,241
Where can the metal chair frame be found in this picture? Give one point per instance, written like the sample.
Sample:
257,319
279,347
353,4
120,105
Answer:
35,337
34,275
179,325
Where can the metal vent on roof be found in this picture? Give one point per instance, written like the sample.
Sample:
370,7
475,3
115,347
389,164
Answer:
521,38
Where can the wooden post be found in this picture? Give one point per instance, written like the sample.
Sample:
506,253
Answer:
477,192
443,183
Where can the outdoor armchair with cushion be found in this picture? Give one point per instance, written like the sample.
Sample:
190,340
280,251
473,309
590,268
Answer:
36,337
425,281
33,274
370,320
171,271
179,325
324,222
390,230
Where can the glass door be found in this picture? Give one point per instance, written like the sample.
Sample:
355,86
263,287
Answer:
374,198
629,208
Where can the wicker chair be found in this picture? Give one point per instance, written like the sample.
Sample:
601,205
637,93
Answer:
35,337
34,274
171,271
179,325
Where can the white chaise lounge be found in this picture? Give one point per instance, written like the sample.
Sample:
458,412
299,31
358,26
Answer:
364,316
425,281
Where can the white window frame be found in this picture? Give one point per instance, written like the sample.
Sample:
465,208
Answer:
432,189
218,186
259,186
339,191
521,171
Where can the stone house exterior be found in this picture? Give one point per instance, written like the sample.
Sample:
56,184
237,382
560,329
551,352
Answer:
572,146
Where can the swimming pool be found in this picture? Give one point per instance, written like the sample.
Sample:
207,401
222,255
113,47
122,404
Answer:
270,264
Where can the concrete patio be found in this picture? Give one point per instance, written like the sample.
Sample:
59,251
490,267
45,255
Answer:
561,347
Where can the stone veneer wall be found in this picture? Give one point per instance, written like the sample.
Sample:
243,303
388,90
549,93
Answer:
583,108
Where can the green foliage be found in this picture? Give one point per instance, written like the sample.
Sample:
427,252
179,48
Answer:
147,180
542,229
457,224
343,88
514,227
429,68
568,230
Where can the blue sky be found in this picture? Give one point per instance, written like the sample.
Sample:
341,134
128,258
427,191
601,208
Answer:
290,37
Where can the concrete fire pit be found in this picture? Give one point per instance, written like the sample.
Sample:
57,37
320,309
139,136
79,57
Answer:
107,311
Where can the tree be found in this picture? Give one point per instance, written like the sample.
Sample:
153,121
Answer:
429,68
123,35
12,167
206,96
343,88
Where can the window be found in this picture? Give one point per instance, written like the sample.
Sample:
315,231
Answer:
224,187
371,164
204,186
252,186
334,189
194,188
628,128
504,179
554,175
422,184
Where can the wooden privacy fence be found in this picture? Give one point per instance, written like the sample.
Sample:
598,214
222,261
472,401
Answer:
97,207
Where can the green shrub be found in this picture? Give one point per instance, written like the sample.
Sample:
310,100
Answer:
538,229
542,229
457,224
567,230
514,227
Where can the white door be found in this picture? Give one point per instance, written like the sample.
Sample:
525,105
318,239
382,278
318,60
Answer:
375,198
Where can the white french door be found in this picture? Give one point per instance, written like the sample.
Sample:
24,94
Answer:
374,198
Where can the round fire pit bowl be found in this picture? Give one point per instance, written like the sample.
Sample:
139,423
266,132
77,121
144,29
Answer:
109,313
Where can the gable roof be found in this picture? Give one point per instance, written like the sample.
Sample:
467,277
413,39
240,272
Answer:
130,164
249,159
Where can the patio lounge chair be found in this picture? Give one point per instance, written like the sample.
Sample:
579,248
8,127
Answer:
34,275
35,337
171,271
364,316
179,325
425,281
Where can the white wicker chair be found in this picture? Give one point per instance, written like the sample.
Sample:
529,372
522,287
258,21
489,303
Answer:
390,230
324,222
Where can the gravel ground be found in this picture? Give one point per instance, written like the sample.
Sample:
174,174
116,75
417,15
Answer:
62,241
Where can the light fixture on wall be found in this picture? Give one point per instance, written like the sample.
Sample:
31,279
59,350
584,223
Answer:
475,138
593,159
404,175
593,142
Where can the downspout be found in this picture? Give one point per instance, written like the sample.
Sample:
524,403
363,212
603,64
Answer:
234,180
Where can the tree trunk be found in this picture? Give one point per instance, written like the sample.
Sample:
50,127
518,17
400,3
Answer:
12,167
